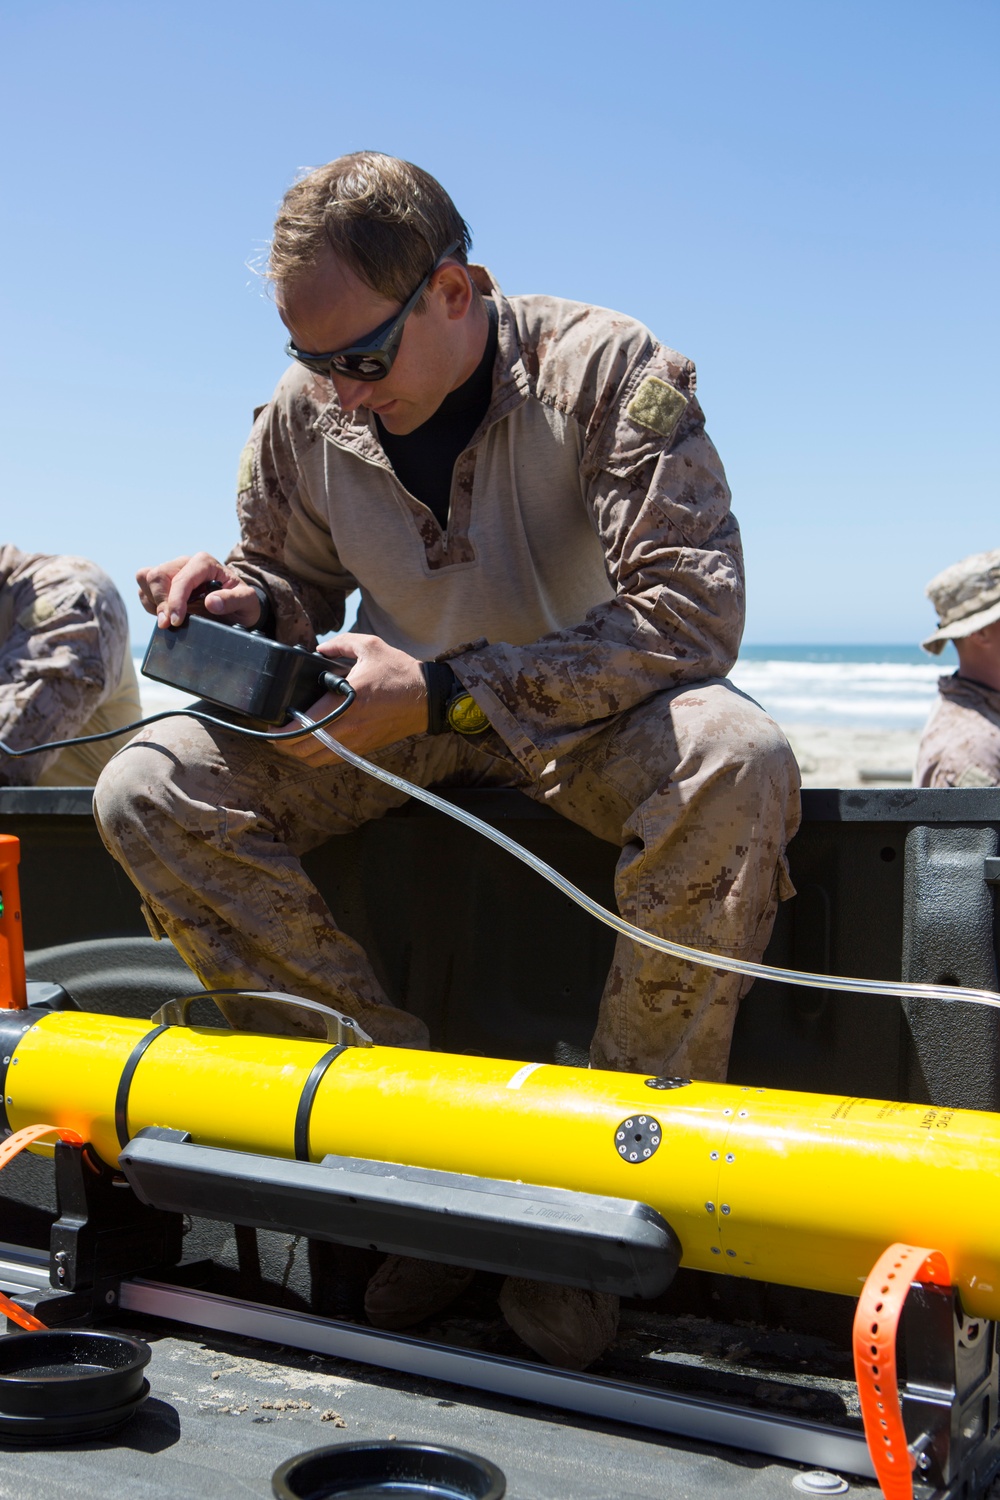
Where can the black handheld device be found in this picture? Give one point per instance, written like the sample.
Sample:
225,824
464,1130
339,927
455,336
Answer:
238,669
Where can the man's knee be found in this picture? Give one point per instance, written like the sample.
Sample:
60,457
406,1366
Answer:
764,755
166,778
124,796
725,745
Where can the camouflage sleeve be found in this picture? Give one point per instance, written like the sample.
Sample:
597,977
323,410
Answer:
61,656
660,504
285,548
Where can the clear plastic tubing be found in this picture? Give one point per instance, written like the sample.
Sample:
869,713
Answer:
885,988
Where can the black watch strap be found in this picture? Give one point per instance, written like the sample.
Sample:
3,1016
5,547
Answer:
442,685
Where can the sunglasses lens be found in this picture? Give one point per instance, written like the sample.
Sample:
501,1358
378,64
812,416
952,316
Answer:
359,367
316,363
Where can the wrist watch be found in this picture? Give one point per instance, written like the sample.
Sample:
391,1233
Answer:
449,704
463,714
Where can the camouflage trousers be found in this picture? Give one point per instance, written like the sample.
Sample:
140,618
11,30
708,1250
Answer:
697,787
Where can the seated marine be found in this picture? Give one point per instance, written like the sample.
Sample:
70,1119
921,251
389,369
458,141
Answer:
551,585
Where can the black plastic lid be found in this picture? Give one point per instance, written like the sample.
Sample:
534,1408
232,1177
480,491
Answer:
362,1470
61,1383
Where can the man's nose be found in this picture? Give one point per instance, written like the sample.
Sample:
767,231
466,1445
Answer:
351,393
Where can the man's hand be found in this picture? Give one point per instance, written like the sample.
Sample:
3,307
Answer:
391,702
172,590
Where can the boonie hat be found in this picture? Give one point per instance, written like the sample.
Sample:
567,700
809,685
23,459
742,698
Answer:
966,597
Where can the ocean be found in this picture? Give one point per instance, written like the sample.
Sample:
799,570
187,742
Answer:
845,687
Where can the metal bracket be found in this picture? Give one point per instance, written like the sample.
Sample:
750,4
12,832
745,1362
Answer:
949,1399
102,1233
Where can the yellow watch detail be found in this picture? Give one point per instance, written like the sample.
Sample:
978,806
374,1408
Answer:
464,715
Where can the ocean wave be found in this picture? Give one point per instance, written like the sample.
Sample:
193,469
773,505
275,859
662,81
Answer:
850,694
843,674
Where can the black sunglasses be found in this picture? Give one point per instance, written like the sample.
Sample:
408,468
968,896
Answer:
372,358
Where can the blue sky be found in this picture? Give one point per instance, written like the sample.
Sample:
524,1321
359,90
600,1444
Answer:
800,196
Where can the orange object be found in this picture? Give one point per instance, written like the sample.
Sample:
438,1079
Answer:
13,993
875,1324
9,1149
18,1315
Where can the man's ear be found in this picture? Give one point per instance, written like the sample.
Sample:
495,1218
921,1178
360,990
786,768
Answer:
451,284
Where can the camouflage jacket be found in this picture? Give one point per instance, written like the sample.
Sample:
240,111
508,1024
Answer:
65,666
960,745
591,558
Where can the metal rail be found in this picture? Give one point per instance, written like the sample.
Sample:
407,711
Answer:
791,1438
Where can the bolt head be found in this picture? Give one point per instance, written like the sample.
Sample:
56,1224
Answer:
820,1482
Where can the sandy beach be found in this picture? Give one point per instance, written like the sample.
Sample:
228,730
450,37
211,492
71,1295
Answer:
836,757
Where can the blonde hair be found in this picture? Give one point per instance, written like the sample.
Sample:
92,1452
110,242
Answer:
387,219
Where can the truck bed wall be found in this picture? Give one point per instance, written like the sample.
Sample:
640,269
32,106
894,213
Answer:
890,884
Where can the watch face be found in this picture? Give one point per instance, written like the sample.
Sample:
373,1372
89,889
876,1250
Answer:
465,715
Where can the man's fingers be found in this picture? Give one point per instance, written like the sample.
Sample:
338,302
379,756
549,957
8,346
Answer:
239,603
347,649
201,584
196,571
154,583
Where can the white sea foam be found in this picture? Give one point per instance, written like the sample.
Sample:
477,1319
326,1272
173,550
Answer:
845,694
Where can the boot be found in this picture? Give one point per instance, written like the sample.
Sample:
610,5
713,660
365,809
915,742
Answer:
564,1324
404,1290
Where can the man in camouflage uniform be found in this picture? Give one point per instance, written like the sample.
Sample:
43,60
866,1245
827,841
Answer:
960,745
551,596
65,667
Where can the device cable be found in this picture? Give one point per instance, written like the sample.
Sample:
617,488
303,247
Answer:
332,681
885,988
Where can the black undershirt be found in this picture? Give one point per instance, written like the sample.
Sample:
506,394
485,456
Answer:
424,460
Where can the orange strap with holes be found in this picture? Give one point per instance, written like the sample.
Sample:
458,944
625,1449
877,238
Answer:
13,995
875,1324
8,1150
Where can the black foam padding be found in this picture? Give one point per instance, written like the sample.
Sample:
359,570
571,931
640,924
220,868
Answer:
548,1234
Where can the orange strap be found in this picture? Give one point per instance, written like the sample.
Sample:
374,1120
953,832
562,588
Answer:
13,995
8,1150
875,1325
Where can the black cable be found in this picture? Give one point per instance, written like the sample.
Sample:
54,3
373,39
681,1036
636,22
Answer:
329,680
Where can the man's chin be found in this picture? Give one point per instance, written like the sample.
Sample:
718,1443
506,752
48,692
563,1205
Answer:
399,420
